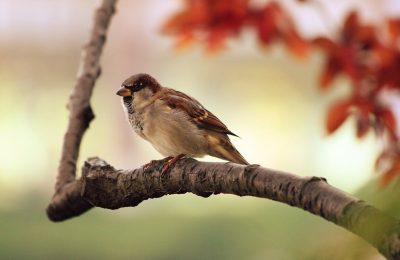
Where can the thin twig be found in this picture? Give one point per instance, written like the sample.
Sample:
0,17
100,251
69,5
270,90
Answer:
81,113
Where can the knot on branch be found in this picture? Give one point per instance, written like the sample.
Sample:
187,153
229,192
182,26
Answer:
104,186
315,178
94,164
87,114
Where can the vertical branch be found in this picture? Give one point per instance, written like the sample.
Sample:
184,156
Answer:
79,104
81,113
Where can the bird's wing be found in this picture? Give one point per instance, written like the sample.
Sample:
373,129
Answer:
200,116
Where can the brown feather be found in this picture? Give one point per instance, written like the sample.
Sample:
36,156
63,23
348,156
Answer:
221,147
201,117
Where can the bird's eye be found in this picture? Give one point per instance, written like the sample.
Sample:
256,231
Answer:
137,86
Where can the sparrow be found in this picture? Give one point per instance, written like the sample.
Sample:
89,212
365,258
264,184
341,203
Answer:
176,124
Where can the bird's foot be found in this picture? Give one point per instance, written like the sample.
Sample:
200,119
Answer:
171,161
147,165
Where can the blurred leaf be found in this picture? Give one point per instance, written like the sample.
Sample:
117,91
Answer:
337,114
332,68
363,125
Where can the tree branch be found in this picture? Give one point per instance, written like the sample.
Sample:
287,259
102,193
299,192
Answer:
81,113
103,186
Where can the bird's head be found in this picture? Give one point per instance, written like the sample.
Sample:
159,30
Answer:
140,84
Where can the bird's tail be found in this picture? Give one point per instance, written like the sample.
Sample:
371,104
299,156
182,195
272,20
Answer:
233,155
225,150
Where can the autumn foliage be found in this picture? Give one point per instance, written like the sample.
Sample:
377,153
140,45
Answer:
368,56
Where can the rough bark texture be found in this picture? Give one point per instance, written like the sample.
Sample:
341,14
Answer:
103,186
81,115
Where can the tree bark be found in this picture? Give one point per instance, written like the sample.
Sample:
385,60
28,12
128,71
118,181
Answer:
103,186
81,113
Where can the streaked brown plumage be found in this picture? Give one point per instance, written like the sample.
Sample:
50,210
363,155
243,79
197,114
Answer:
175,123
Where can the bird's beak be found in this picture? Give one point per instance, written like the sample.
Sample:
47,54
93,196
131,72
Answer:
124,92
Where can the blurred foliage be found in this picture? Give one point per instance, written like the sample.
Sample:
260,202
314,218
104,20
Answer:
368,55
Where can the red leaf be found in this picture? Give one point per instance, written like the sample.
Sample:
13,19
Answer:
332,68
194,15
365,108
389,75
363,125
216,40
208,21
350,27
296,44
184,40
349,62
389,120
325,43
394,30
386,56
266,25
337,114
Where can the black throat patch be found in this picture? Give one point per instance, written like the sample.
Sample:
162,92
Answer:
128,102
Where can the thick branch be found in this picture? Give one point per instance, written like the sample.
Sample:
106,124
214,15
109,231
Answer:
103,186
81,113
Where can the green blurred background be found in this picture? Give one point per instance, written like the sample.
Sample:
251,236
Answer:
267,97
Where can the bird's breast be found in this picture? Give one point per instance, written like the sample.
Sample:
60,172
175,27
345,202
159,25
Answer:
137,122
172,133
135,117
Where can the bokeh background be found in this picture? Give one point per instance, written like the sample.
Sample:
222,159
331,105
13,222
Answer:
268,97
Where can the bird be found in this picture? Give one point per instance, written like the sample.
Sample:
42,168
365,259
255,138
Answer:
176,124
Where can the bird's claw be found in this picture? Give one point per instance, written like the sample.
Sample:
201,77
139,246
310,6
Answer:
147,165
171,161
